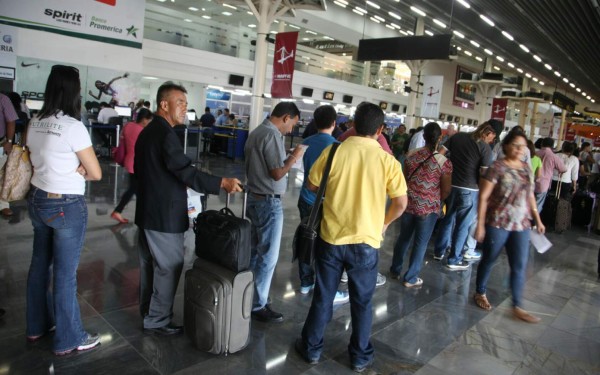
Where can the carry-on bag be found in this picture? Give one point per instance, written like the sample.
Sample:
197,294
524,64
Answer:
217,307
223,238
557,212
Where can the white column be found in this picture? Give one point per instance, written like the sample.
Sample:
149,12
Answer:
260,65
415,69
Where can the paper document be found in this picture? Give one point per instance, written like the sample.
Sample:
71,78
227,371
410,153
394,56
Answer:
539,241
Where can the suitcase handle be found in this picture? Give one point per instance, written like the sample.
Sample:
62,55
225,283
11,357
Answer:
227,210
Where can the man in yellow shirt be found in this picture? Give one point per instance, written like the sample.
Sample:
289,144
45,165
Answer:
352,228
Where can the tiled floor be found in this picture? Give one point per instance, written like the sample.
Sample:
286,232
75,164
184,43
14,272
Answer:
436,329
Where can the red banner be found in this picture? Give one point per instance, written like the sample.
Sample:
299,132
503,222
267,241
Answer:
569,133
499,109
283,64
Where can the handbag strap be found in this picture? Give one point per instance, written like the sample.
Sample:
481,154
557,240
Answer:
420,165
319,199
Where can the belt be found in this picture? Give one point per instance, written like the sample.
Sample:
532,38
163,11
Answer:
277,196
54,195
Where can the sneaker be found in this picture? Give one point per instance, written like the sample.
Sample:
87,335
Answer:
301,349
459,266
267,315
341,297
438,257
362,368
344,278
380,279
419,282
92,340
306,289
472,255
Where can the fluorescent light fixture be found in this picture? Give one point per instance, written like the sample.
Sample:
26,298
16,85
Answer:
410,32
478,58
375,20
392,14
428,33
226,13
572,85
150,78
548,66
372,4
542,83
527,75
308,101
403,32
465,4
206,17
252,26
519,70
267,95
214,87
250,13
535,79
394,25
487,20
336,2
565,80
474,43
537,58
583,93
380,18
390,27
439,23
588,97
305,39
193,9
418,11
344,2
496,68
468,53
524,47
294,27
458,48
361,10
511,65
459,34
507,35
187,20
488,52
578,89
273,32
328,38
311,32
500,58
557,73
229,6
357,12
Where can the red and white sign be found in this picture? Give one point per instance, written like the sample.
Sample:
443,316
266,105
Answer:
283,64
570,133
499,109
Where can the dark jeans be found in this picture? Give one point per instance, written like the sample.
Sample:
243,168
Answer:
305,270
131,190
360,262
517,249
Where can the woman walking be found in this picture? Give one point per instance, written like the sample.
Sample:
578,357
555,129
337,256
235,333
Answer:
63,159
131,131
506,205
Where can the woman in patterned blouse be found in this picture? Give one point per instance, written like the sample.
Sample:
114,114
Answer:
506,206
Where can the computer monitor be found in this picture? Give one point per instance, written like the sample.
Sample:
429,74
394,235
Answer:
191,116
124,111
34,104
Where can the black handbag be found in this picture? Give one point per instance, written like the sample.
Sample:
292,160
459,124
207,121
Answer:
307,231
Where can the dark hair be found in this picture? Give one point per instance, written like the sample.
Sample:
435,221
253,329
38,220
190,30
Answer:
104,105
165,89
324,116
232,116
585,144
285,108
62,93
226,110
431,134
483,130
144,114
496,125
207,109
531,147
15,99
548,142
368,118
568,147
147,104
511,136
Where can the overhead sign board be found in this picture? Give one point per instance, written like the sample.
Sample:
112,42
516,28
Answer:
561,101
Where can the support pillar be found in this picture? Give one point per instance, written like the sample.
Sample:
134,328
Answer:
415,70
533,121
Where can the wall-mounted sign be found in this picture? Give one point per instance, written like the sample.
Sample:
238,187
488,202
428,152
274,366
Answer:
8,46
217,95
561,101
7,73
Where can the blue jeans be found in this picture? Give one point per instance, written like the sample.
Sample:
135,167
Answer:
517,249
461,207
360,261
59,226
540,198
419,227
266,215
305,271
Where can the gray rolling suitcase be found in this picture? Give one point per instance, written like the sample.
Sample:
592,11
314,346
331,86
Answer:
217,307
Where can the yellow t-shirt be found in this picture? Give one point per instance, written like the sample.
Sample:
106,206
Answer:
361,176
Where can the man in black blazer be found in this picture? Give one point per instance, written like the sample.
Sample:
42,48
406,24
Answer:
164,171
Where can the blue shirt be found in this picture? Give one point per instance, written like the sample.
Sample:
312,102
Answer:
316,144
222,120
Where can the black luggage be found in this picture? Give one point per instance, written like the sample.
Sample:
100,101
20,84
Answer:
557,212
217,307
223,238
583,205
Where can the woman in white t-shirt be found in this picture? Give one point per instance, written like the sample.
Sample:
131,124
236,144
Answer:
63,159
570,177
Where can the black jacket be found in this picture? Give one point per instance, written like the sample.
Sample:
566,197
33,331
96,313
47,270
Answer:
163,172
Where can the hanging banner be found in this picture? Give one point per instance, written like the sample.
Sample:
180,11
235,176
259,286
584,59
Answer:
119,22
499,109
283,64
432,93
570,132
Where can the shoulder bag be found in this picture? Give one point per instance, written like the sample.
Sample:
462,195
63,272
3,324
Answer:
15,175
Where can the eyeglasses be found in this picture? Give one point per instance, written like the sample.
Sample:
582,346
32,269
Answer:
64,68
518,146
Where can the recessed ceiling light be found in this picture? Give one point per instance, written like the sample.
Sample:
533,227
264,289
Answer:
439,23
357,12
380,18
589,97
206,17
305,38
592,100
390,27
403,32
252,26
583,93
459,34
524,47
527,75
500,58
496,68
464,3
410,32
542,83
572,85
374,19
519,70
458,48
565,80
226,13
557,73
229,6
474,43
294,27
468,53
548,66
537,58
311,32
394,25
535,79
187,20
336,2
328,38
370,3
418,11
193,9
361,10
478,58
487,20
428,33
511,65
578,89
488,52
250,13
507,35
395,15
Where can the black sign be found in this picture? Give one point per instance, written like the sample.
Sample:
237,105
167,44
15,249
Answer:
405,48
561,101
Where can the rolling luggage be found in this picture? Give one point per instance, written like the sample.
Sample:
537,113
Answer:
223,238
557,212
217,307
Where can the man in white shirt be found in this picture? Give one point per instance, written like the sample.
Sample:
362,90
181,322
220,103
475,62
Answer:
106,112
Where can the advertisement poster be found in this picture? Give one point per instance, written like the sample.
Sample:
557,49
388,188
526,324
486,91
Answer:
8,51
283,64
119,22
432,94
499,109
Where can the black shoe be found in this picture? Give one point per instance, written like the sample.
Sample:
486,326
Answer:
300,348
169,329
267,315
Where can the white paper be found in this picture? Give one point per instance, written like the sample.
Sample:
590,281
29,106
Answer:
539,241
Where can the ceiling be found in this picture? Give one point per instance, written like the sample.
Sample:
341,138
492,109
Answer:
563,34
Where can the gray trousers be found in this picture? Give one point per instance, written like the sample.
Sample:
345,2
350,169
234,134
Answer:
161,262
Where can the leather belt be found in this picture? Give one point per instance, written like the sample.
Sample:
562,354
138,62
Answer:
54,195
277,196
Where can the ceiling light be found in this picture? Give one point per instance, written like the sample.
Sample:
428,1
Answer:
226,13
459,34
464,3
395,15
161,1
565,80
583,93
519,70
339,3
468,53
557,73
459,48
535,79
588,97
274,32
542,83
537,58
572,85
380,18
403,32
428,33
311,32
418,11
592,100
229,6
394,25
578,89
343,2
478,58
206,17
370,3
511,65
507,35
361,10
474,43
496,68
252,26
328,38
294,27
150,78
306,39
487,20
250,13
548,66
187,20
500,58
439,23
193,9
524,47
375,20
410,32
390,27
357,12
527,75
488,52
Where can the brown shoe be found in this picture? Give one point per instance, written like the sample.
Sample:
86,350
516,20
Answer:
519,313
7,212
482,302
